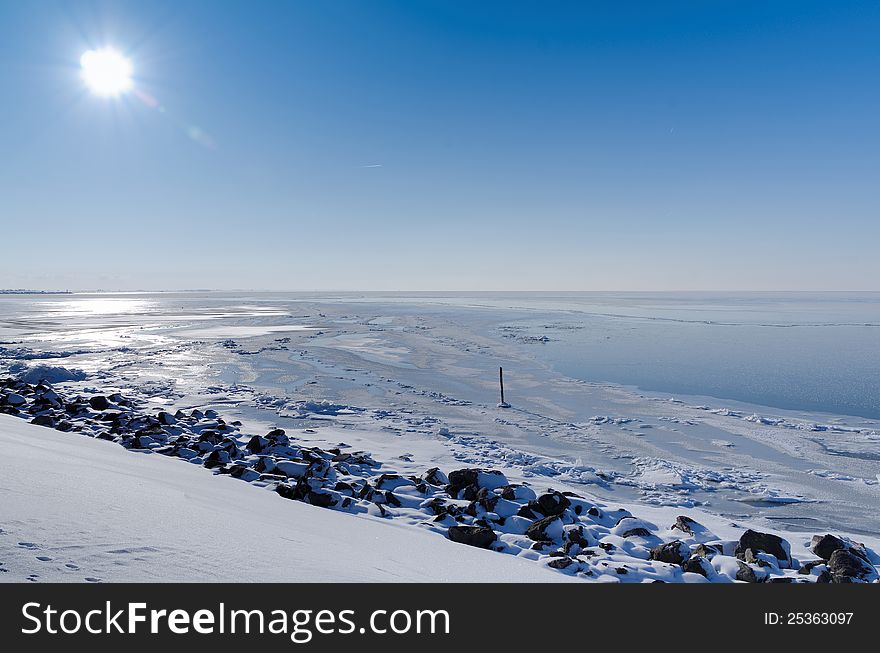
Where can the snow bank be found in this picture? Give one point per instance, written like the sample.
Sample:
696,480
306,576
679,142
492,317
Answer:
104,514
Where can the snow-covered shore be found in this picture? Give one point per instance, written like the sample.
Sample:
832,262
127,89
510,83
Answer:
410,386
79,508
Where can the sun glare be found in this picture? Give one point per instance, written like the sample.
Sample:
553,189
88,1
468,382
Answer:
106,72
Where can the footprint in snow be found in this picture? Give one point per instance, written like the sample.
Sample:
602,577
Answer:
44,558
28,545
72,566
92,579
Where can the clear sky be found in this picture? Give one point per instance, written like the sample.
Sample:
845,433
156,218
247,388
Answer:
443,145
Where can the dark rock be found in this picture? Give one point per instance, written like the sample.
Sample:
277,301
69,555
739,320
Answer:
477,536
539,530
576,536
320,499
256,444
698,565
746,574
552,503
637,532
461,479
846,567
674,553
166,418
765,542
526,512
562,562
99,402
44,420
342,486
824,546
687,525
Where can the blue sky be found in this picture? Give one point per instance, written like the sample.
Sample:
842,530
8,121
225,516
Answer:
443,145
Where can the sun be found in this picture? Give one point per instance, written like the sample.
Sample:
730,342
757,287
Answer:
106,72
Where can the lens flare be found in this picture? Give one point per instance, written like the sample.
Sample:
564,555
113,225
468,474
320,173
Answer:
106,72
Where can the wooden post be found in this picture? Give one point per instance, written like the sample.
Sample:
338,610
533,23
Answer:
501,382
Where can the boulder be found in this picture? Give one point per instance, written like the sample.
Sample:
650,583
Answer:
99,402
166,418
746,574
698,565
824,546
561,562
44,420
545,530
757,541
477,536
846,567
256,444
15,399
674,553
435,477
320,499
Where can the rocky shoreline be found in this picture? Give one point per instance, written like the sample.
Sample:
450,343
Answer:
472,506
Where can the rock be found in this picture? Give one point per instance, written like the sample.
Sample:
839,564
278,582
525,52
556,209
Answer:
166,418
320,499
552,503
477,536
545,530
636,532
846,567
687,525
460,479
99,402
435,477
562,562
256,444
15,399
757,541
673,552
465,483
698,565
746,574
44,420
824,546
299,491
576,535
